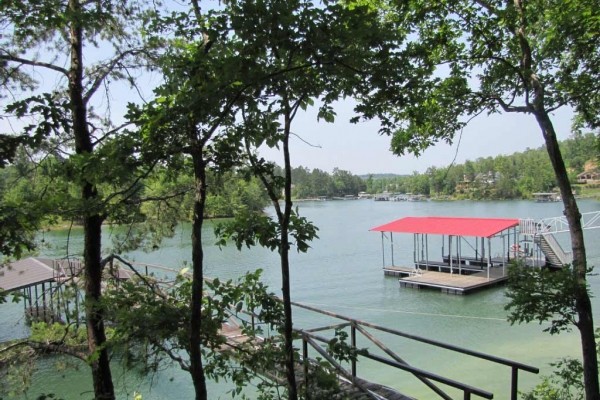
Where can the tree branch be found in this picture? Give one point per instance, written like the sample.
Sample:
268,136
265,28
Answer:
33,63
135,271
105,70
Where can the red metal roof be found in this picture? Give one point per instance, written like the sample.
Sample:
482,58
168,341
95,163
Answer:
478,227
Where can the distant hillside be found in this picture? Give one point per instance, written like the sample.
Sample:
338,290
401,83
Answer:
501,177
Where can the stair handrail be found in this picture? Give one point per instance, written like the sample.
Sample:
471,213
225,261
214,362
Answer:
563,256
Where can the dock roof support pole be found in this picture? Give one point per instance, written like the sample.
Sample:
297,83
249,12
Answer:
415,237
383,249
427,252
443,246
482,249
489,263
450,253
458,251
392,246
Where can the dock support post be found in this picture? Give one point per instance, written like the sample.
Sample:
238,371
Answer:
392,246
489,263
415,247
44,302
427,252
383,249
450,252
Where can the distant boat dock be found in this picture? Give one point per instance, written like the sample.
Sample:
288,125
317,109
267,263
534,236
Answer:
467,264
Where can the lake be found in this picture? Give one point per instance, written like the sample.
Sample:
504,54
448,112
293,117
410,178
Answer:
342,272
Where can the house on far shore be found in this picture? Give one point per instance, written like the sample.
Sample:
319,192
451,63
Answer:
591,177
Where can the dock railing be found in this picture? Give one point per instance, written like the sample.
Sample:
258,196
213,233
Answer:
357,326
589,220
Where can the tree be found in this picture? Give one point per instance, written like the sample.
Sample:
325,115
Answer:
312,54
208,75
67,122
529,57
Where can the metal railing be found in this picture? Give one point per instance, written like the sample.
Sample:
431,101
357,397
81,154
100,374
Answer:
589,220
357,326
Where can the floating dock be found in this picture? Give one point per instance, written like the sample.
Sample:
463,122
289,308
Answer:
452,283
466,264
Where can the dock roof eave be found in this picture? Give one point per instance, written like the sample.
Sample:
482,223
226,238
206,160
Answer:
26,272
455,226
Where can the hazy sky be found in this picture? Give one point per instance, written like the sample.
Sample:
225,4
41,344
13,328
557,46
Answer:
358,148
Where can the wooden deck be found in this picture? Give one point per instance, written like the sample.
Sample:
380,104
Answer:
446,282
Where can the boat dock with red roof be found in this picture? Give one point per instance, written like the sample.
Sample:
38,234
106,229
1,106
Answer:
458,270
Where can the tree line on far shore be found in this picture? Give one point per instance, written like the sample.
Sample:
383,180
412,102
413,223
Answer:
512,176
502,177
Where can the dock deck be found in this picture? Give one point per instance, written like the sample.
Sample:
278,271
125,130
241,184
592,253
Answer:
448,283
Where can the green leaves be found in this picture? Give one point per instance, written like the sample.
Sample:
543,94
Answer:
544,296
255,228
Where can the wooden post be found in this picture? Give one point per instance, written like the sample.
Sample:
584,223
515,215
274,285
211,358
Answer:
51,303
37,305
44,301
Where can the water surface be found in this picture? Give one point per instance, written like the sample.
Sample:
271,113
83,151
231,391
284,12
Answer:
342,273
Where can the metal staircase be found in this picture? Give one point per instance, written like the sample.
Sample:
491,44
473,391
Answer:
542,234
554,253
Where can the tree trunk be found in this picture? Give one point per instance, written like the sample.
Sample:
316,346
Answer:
583,304
196,367
101,374
285,268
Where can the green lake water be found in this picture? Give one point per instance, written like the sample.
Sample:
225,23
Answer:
342,273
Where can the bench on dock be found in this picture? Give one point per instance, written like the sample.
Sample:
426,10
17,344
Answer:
471,261
441,266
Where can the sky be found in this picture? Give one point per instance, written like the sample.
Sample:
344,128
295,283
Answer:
358,148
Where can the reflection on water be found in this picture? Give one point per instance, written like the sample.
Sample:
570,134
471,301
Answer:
342,273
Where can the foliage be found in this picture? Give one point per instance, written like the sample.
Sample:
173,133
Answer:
18,359
152,322
316,183
339,348
542,295
472,58
566,381
251,229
